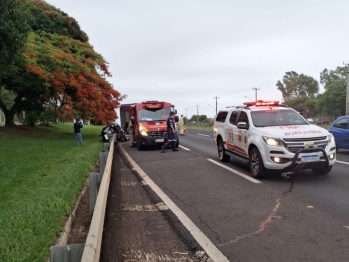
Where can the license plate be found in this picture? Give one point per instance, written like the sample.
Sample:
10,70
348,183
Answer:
159,140
313,158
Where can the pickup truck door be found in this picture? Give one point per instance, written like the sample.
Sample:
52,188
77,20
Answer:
230,130
241,135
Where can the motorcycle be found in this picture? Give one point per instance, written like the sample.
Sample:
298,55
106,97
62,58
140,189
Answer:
116,129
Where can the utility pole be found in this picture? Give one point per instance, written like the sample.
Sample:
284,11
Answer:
197,115
347,97
186,116
256,89
216,97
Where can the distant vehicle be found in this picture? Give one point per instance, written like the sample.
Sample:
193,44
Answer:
269,136
311,121
340,130
151,126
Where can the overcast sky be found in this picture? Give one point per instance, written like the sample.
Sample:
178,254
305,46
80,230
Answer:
189,51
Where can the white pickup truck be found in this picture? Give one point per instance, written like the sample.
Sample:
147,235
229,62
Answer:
269,136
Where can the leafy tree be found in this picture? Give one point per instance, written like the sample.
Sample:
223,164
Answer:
50,19
294,86
305,105
58,73
332,101
65,74
13,33
202,118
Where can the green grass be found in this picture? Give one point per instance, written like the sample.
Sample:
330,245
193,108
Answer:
41,175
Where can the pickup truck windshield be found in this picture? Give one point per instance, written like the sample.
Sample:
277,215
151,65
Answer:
153,115
277,117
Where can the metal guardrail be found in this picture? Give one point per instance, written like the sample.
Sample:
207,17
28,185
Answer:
90,251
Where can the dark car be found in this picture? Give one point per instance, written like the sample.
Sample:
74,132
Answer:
340,130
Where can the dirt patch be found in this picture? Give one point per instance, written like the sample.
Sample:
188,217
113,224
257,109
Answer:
81,222
82,219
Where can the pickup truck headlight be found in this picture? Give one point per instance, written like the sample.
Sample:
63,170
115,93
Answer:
273,141
142,131
330,139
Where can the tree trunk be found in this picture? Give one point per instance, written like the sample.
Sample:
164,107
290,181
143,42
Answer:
9,116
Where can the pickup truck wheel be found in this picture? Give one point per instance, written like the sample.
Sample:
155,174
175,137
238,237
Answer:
139,145
322,171
221,152
256,164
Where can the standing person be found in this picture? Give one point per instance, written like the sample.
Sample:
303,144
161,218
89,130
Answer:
131,130
181,125
77,130
171,132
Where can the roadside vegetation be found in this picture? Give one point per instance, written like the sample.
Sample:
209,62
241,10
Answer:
41,174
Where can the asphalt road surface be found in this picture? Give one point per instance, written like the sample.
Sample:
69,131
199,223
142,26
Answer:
301,218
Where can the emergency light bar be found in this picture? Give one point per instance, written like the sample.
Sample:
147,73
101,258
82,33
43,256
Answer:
152,104
262,103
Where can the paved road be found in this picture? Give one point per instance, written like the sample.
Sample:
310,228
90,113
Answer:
303,218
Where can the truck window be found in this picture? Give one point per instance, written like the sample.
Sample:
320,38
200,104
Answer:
233,117
221,116
243,118
153,115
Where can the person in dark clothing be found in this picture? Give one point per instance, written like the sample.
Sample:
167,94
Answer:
171,132
77,130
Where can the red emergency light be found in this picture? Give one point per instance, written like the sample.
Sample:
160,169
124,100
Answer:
152,104
262,103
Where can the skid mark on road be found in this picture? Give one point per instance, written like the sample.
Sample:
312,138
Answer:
262,225
269,219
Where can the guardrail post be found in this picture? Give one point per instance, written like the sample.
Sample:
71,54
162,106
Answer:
102,161
93,177
106,147
68,253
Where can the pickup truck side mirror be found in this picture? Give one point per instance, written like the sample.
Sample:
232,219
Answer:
242,125
176,119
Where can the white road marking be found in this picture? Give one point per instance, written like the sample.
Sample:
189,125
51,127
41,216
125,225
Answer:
235,171
203,135
185,148
346,227
345,163
212,251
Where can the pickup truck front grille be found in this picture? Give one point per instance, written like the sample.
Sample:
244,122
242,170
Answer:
295,144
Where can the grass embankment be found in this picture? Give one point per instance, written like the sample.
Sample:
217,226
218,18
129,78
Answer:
41,175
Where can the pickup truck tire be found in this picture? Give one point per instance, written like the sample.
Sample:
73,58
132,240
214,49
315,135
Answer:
139,145
322,171
223,157
256,164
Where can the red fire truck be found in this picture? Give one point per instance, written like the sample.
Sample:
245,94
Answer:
151,119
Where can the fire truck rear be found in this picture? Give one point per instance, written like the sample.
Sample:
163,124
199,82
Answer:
151,119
